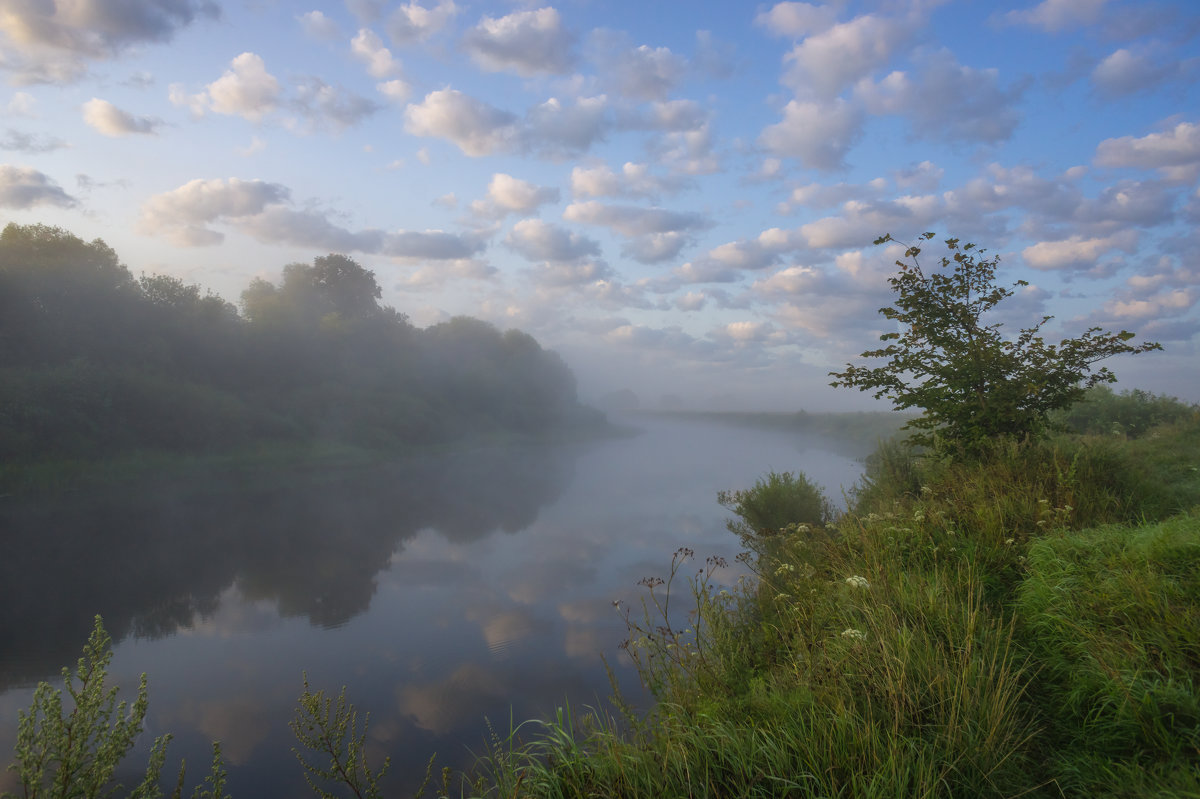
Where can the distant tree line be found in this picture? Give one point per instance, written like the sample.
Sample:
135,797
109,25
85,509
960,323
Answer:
95,361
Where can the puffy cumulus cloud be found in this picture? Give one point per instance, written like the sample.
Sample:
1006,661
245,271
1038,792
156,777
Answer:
634,180
260,209
1016,187
743,333
826,195
1175,151
106,118
413,22
924,176
183,214
319,26
507,194
668,115
641,72
818,135
30,142
1076,251
551,129
692,301
688,152
477,128
395,89
437,275
1146,203
797,20
1124,73
862,221
653,248
331,106
946,100
556,130
583,273
525,42
825,63
725,263
543,241
246,89
51,40
1054,16
630,221
23,187
368,48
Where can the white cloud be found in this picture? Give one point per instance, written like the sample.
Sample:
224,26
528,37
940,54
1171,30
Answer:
30,142
259,209
52,40
862,222
183,214
639,73
819,135
525,42
1123,73
507,194
368,48
725,263
1177,147
109,120
542,241
319,26
797,20
631,220
1054,16
551,129
653,248
23,187
413,22
395,90
22,105
476,127
945,100
331,106
826,195
825,63
634,180
246,89
557,130
1076,250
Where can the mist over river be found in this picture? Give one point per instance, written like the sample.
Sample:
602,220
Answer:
441,592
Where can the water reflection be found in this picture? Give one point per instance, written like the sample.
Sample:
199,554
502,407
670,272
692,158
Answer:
152,562
392,581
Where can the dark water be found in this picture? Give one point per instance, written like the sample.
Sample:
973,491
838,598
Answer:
478,585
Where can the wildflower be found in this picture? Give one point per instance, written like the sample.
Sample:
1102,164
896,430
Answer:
1008,542
784,568
851,634
857,582
781,597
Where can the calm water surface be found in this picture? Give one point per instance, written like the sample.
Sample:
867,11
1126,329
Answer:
476,586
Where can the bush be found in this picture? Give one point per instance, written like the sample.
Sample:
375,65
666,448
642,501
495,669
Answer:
774,503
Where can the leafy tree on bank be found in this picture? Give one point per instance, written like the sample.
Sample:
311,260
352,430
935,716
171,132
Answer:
972,383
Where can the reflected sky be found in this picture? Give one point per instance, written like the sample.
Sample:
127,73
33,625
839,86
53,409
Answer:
476,585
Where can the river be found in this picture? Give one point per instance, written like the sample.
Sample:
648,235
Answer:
472,586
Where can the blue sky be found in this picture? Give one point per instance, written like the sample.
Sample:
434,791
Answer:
680,197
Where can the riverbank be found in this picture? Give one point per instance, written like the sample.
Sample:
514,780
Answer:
1025,624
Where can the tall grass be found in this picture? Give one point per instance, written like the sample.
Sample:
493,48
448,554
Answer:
1025,624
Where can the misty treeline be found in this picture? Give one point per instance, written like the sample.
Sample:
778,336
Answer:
95,361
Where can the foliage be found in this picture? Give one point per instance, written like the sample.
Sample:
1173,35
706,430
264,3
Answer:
1131,413
957,634
96,364
67,754
971,383
328,730
774,502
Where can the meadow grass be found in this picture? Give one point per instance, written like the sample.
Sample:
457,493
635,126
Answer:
1023,624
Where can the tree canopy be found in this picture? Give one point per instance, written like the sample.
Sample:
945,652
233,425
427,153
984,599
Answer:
972,383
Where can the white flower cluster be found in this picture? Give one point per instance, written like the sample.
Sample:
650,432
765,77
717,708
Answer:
858,582
851,634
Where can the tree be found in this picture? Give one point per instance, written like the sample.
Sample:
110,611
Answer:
972,383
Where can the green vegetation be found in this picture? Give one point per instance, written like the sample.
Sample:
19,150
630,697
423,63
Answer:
97,365
971,383
1022,623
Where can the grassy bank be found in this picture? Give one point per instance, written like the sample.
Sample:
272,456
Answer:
1026,624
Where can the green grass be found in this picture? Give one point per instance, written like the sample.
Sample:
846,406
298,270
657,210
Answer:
1025,624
